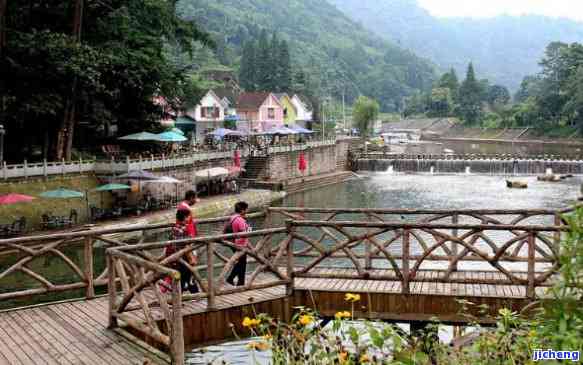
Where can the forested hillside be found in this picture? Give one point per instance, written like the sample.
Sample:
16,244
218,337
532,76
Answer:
504,48
334,53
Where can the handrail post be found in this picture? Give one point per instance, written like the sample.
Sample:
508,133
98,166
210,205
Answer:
88,258
210,252
454,246
289,288
405,261
177,333
111,289
530,292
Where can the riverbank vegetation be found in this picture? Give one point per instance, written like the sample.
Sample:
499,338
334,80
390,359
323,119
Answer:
557,324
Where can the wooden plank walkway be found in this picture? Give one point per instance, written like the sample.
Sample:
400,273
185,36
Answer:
76,332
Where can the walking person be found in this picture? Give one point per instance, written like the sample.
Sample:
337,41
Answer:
190,200
183,229
238,224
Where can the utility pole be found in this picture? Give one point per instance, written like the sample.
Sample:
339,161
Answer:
343,109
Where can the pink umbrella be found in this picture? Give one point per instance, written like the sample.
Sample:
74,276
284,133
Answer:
15,198
302,163
237,159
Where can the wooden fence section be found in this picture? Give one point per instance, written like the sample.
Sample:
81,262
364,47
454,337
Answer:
34,258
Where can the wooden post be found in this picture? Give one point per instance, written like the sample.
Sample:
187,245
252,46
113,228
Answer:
530,293
454,232
177,332
128,162
112,291
88,258
405,261
289,289
210,253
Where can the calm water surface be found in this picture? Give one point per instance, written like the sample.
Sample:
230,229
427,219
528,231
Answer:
383,190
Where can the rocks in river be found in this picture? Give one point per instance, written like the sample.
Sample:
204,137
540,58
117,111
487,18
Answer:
516,184
553,177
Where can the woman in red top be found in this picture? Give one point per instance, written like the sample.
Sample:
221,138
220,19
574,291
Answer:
238,224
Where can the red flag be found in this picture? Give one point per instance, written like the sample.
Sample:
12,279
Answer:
302,163
237,159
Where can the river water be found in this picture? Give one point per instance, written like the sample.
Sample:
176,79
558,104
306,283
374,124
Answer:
420,191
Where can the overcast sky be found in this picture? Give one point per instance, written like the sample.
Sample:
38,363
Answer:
486,8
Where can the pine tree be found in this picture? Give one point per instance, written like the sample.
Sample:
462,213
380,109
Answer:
274,65
263,63
470,96
450,80
285,71
247,72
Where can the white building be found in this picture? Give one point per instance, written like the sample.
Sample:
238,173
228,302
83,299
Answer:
209,114
304,113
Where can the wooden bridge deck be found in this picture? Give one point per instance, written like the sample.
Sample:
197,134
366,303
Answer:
76,332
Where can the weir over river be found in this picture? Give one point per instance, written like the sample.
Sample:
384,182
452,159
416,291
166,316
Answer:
465,164
412,244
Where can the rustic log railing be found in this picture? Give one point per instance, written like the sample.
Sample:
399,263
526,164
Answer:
144,306
36,258
403,252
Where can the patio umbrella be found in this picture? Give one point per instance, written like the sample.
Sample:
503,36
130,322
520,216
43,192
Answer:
138,175
170,137
177,130
13,198
302,163
222,132
167,180
301,130
142,136
112,187
62,193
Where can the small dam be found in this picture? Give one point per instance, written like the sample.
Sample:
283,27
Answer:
488,165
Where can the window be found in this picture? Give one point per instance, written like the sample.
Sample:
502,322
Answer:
271,113
209,112
285,113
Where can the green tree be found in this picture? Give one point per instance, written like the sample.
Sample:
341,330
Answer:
248,71
450,80
471,98
365,111
284,81
263,63
498,94
441,102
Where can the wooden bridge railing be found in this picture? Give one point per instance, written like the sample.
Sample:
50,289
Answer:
36,263
142,270
406,249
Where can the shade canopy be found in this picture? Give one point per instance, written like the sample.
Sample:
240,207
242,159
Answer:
165,180
301,130
170,137
182,121
281,131
177,131
142,136
215,172
138,175
112,187
222,132
13,198
62,193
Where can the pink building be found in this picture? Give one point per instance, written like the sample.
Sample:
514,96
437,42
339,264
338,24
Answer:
261,110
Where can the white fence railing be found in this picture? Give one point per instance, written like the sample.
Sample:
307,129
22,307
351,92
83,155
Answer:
45,169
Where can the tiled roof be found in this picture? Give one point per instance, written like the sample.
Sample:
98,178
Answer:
252,100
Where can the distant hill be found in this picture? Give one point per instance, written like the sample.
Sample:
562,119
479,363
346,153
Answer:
504,49
336,52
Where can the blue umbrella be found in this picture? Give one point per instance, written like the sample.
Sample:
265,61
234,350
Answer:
170,137
62,193
301,130
112,187
138,175
222,132
177,130
281,130
142,136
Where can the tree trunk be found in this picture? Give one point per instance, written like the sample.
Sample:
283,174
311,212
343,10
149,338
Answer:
65,133
3,6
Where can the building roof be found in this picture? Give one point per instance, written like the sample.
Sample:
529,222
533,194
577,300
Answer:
306,101
279,96
251,100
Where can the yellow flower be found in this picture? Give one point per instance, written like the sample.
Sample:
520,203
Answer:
349,297
306,319
259,346
266,337
340,315
343,356
248,322
364,358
